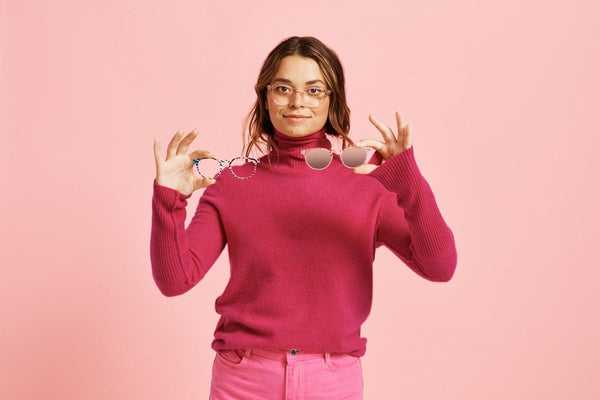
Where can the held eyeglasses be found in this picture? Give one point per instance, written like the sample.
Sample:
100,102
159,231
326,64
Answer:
316,158
243,173
320,158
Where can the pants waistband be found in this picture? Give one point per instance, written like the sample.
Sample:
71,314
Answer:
285,355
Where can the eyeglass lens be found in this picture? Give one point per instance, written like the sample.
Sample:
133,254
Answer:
320,158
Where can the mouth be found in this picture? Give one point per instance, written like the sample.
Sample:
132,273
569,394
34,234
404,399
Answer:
296,118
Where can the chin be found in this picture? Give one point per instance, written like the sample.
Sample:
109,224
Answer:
299,131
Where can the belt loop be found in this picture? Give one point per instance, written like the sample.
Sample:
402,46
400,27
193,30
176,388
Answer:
327,357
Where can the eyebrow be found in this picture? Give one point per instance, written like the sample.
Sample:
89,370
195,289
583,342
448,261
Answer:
289,81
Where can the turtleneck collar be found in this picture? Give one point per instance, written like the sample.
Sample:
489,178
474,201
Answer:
290,147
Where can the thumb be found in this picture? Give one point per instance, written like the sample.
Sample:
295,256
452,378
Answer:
365,168
202,183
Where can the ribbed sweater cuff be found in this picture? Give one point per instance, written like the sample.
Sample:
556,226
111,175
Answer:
168,231
399,173
169,198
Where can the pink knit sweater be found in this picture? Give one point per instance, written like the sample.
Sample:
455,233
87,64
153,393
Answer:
301,245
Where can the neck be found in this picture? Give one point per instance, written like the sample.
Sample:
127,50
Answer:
290,147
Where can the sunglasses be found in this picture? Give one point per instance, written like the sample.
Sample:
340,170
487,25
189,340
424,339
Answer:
320,158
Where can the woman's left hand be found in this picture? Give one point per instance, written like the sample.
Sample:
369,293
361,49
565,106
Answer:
391,145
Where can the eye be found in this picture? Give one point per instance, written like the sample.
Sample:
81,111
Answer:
316,91
282,88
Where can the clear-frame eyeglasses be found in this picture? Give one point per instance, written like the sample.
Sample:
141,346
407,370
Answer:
312,96
207,165
320,157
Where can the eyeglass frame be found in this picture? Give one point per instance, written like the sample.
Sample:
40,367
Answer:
254,161
294,90
331,152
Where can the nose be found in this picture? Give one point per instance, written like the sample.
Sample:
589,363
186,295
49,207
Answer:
296,99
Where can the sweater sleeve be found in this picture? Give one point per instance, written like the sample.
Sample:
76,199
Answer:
181,257
409,222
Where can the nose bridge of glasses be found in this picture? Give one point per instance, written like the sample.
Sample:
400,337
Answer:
292,98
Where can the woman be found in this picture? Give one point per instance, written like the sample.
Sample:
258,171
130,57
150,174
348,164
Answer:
302,224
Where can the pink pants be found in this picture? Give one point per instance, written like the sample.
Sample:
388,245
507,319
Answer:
254,374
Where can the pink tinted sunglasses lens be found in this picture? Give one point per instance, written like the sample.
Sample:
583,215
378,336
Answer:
318,158
354,156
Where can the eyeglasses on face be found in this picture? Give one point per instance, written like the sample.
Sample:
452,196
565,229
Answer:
312,96
320,158
208,164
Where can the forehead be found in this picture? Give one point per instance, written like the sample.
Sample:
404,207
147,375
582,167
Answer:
299,70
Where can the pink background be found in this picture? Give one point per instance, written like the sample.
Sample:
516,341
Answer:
500,96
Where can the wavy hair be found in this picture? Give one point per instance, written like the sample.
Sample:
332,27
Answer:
258,123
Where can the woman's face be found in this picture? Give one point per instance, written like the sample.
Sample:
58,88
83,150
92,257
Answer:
298,71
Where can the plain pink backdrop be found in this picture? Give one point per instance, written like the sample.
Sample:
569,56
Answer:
502,98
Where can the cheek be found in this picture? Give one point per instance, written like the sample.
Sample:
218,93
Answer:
324,112
325,109
274,108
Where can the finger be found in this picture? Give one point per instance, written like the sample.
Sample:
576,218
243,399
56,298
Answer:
364,168
382,149
387,133
172,147
186,141
200,154
404,136
408,137
401,130
157,153
376,144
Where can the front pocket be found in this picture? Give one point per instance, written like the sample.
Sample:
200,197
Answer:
339,362
231,357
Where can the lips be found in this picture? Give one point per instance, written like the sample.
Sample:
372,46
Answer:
296,119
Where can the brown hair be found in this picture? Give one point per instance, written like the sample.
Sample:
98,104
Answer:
260,128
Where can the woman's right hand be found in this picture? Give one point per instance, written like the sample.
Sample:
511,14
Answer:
176,171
